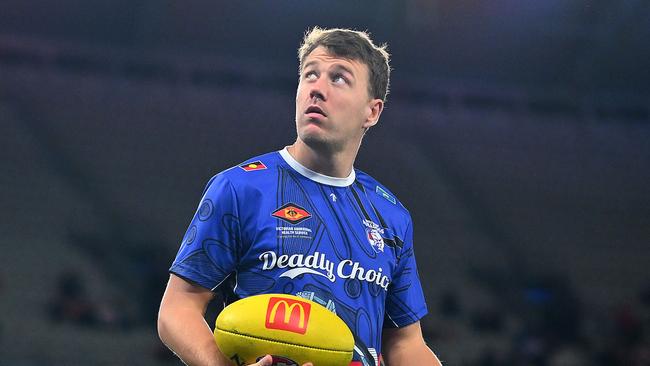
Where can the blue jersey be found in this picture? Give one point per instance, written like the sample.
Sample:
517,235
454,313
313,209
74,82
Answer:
273,226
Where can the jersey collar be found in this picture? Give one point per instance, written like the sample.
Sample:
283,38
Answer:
316,177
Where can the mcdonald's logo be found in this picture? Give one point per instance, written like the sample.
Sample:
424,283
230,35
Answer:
287,314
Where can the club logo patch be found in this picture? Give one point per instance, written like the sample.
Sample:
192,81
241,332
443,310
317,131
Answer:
291,213
374,234
256,165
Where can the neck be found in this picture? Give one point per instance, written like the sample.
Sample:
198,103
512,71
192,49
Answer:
332,163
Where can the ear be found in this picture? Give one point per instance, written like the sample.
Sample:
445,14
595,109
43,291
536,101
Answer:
375,107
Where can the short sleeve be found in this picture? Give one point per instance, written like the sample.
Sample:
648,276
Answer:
405,303
211,246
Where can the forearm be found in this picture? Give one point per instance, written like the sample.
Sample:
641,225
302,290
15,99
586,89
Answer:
187,334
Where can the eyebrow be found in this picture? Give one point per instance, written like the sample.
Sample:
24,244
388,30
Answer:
309,64
344,68
336,67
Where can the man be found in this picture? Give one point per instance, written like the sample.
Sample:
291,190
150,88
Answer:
303,221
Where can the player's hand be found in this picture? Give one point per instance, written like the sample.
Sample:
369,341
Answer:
264,361
268,361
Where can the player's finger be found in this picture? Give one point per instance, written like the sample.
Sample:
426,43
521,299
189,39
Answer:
308,364
264,361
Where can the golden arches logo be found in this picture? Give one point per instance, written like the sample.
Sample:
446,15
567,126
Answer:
287,314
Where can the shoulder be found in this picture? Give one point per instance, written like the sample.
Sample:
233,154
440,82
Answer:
381,197
252,176
252,171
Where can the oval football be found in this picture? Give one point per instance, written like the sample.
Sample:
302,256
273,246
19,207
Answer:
292,328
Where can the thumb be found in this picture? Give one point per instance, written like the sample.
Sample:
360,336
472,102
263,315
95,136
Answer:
264,361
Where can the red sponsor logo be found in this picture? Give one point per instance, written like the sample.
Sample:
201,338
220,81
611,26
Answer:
291,213
256,165
287,314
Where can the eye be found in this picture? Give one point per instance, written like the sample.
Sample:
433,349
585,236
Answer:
339,79
311,75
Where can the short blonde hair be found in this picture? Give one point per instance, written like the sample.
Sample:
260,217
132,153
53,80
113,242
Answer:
354,45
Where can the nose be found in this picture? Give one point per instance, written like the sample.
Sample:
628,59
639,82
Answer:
317,89
316,94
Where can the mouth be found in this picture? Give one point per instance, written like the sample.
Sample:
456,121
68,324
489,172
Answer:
315,110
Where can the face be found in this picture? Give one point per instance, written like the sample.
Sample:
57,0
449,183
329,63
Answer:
333,107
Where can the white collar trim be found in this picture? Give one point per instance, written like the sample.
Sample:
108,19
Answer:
317,177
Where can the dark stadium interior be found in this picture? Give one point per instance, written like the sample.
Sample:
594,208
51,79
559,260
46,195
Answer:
516,132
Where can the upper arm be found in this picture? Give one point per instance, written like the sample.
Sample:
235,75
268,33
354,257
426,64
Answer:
212,245
182,326
406,346
405,303
184,294
398,337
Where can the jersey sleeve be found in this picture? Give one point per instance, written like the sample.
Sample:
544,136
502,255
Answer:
405,303
211,246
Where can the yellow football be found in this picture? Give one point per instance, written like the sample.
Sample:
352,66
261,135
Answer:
291,329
